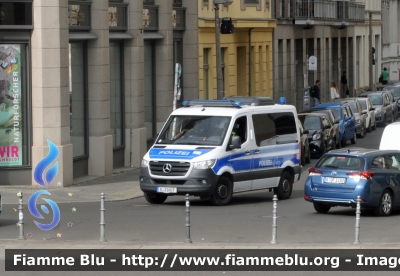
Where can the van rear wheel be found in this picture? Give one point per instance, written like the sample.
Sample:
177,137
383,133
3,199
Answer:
285,187
155,198
223,192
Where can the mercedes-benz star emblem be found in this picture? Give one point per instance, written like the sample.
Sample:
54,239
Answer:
334,173
167,168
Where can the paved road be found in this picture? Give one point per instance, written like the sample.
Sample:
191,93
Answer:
246,220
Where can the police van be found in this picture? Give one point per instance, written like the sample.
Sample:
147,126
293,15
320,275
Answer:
214,148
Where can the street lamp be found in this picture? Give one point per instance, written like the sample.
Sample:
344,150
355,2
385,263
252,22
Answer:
220,91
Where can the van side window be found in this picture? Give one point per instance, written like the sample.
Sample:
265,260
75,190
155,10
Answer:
264,128
240,128
275,128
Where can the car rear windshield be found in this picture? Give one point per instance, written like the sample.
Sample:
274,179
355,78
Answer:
341,162
376,99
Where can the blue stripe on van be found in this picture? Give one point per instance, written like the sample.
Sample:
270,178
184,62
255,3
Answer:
176,153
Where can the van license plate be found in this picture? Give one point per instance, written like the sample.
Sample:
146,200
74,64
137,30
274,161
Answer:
335,180
167,190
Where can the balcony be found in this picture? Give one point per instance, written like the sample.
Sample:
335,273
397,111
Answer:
311,12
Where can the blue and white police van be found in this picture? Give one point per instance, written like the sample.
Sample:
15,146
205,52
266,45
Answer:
215,148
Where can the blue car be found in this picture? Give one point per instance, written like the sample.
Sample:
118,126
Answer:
341,175
347,121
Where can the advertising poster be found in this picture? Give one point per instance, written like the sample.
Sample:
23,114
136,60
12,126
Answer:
10,106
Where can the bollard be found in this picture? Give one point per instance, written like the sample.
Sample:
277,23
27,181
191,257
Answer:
274,216
187,240
102,222
21,218
358,212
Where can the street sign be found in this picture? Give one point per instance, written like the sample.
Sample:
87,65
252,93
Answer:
312,63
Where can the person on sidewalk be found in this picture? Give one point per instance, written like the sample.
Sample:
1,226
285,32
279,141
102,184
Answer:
345,88
317,93
385,76
334,92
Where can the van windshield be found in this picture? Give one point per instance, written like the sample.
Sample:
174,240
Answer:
194,130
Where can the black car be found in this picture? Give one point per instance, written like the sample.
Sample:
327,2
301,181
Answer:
305,146
334,121
360,116
383,108
320,133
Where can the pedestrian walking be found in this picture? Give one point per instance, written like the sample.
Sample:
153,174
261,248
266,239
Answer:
385,76
316,93
345,88
334,92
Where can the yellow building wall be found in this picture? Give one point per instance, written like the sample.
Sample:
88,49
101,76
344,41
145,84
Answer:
236,50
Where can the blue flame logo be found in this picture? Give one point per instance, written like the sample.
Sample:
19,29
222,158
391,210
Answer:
44,179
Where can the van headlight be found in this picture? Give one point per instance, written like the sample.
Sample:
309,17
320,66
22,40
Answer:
145,163
202,165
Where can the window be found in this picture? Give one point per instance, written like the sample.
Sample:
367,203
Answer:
78,99
14,106
272,129
240,128
149,89
116,93
206,76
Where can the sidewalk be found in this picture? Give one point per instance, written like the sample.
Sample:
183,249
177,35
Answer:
121,185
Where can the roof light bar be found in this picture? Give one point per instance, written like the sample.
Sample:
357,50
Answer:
212,103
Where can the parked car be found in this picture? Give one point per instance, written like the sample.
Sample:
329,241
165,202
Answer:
347,122
341,175
367,106
332,119
320,133
305,145
395,89
381,102
360,116
390,136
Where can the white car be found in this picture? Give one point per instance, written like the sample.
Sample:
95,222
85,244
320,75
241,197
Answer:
389,139
367,105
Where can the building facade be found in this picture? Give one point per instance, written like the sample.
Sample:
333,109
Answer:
95,78
336,33
246,54
391,38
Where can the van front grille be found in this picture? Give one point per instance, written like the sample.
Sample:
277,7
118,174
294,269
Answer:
169,168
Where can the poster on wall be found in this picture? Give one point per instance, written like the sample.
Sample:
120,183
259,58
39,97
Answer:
10,105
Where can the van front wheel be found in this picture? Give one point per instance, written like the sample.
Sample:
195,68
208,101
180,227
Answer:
223,192
285,187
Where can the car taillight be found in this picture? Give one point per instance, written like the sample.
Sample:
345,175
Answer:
361,175
314,171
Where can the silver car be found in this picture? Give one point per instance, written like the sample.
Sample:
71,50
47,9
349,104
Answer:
367,106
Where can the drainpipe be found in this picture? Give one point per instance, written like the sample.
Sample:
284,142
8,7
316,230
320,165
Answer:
249,94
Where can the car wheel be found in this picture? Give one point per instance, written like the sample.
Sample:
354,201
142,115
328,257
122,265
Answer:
385,204
308,158
344,140
354,139
285,187
338,144
303,157
155,198
321,208
369,126
223,192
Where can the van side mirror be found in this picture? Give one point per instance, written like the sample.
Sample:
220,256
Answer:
235,143
327,127
372,108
